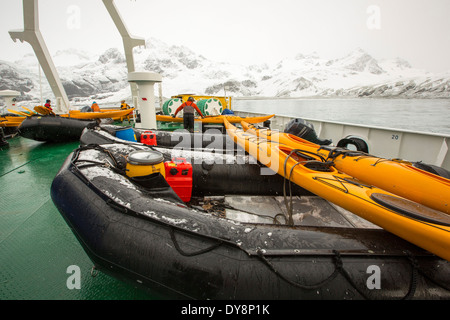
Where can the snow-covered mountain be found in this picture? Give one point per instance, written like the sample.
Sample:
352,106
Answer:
87,77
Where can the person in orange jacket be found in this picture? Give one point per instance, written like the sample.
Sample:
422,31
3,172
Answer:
188,107
95,107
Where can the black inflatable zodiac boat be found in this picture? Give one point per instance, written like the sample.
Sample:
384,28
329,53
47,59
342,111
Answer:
230,238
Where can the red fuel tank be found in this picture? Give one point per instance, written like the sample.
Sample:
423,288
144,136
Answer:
179,177
148,138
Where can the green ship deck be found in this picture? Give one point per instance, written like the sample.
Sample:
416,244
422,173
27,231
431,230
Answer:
36,244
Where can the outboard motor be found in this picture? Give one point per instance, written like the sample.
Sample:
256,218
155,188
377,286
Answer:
304,130
432,169
86,109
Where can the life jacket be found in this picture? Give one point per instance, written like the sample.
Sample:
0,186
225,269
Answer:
189,108
95,107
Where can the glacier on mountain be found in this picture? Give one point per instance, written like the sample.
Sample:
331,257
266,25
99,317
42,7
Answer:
87,77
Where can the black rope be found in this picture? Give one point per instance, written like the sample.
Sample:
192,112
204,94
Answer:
379,160
336,152
93,147
90,163
275,218
414,273
336,179
339,269
296,284
347,276
191,254
412,286
264,216
289,207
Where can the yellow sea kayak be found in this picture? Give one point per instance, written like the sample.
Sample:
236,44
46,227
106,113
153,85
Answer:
427,228
104,113
115,114
31,112
8,121
396,176
217,119
43,110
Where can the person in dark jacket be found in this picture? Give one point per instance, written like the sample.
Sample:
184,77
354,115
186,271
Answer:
188,107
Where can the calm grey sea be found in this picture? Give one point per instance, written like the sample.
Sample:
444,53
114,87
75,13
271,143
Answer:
426,115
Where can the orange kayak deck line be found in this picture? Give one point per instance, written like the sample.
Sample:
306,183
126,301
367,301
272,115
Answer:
396,176
420,225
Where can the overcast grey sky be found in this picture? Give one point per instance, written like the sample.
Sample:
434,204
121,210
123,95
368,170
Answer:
248,31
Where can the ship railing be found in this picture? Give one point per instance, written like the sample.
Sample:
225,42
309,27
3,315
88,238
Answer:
427,147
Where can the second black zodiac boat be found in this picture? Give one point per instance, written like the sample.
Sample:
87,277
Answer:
53,128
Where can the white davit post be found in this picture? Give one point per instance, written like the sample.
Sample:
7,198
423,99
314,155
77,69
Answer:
10,99
145,82
129,42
